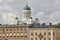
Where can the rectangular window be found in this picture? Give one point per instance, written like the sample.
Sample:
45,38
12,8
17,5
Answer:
6,29
53,38
31,38
36,33
6,34
0,34
49,33
22,34
32,34
40,38
18,34
44,38
40,34
36,38
14,35
49,38
25,34
44,33
10,29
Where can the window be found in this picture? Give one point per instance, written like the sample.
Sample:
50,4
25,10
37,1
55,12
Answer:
21,29
40,38
31,38
40,33
10,29
21,34
49,38
0,34
5,39
49,33
53,38
7,35
17,29
44,38
10,35
14,35
44,33
36,38
36,33
6,29
3,35
18,34
32,34
25,35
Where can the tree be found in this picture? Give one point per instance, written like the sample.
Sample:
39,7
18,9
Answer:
57,25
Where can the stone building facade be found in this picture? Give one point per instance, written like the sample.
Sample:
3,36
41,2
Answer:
23,32
13,32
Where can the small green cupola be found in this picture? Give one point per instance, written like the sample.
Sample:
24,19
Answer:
26,7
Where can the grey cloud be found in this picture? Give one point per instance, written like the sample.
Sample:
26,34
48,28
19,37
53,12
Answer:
47,6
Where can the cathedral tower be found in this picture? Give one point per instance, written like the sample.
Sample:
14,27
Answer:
27,15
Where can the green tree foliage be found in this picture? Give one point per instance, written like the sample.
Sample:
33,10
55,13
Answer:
57,25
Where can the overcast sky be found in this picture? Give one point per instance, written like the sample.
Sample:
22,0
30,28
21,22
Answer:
46,10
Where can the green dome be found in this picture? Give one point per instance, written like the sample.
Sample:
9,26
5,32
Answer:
26,8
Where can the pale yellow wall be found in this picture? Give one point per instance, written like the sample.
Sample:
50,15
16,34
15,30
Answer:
32,30
47,30
15,31
57,33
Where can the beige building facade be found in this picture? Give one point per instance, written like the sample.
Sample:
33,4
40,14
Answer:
13,32
44,34
23,32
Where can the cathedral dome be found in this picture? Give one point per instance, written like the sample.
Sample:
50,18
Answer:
26,8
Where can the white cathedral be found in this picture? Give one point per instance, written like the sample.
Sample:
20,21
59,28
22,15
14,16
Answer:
26,17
